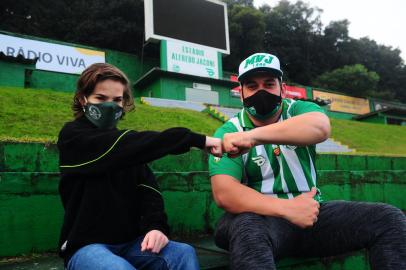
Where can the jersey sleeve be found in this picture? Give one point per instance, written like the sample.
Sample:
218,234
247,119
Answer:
301,107
225,164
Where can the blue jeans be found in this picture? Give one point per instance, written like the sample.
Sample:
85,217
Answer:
128,256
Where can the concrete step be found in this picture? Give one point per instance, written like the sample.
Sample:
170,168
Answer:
210,258
332,146
171,103
229,112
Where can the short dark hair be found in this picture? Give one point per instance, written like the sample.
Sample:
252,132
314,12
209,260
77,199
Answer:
97,73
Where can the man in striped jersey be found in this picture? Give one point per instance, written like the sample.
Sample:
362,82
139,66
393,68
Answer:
267,184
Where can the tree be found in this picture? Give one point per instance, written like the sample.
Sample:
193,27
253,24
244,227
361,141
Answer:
246,27
37,18
353,80
332,44
400,90
115,25
245,3
290,32
384,60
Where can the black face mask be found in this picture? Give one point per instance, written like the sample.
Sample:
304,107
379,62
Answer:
262,105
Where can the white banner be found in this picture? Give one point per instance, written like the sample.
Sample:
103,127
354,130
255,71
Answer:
189,58
52,57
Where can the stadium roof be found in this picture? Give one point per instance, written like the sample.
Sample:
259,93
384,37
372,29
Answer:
156,73
18,59
397,112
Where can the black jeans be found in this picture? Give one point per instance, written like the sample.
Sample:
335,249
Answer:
256,241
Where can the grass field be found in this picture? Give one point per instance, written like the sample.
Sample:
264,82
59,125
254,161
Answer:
38,115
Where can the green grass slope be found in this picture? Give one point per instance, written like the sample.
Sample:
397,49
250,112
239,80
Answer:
38,115
368,138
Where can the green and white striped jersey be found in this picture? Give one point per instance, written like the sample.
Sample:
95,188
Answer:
283,171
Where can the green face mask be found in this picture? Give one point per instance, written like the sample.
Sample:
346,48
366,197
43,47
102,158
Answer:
103,115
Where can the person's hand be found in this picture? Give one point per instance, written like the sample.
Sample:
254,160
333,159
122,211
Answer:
154,241
302,210
237,143
213,146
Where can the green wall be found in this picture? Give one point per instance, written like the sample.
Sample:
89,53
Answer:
171,88
153,90
340,115
131,64
226,98
42,79
31,212
309,92
12,74
377,118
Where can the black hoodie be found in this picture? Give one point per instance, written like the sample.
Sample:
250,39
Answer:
108,192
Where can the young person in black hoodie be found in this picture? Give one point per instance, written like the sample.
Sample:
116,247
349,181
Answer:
114,212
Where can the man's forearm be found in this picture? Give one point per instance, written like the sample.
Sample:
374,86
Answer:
305,129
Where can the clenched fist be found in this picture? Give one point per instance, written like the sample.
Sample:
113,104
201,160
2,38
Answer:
214,146
237,143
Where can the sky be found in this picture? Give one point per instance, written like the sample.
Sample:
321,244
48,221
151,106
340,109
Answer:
382,21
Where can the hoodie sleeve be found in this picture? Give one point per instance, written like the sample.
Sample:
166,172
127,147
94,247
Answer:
90,150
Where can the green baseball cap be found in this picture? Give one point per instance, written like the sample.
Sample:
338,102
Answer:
259,62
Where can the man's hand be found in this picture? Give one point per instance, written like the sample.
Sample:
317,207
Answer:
237,143
302,210
154,241
213,145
